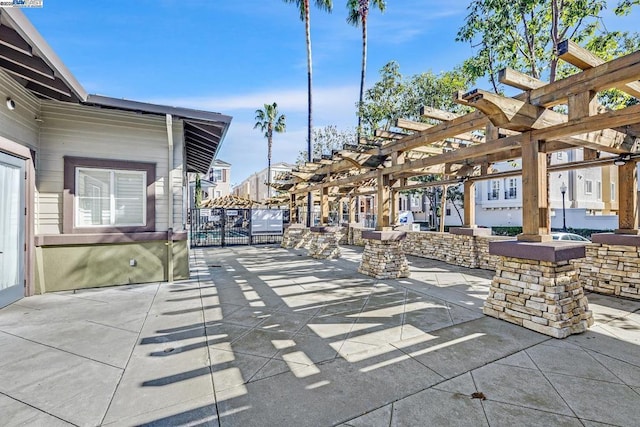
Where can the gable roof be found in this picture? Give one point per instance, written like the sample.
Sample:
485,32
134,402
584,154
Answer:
28,58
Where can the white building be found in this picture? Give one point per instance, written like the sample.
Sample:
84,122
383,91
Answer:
590,196
215,183
255,186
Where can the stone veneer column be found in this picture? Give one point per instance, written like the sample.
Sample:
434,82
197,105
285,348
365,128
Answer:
295,236
324,242
383,257
537,286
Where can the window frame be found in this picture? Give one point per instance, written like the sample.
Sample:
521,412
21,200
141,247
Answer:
511,189
71,165
588,183
494,190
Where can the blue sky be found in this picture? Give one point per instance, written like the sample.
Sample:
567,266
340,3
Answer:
233,56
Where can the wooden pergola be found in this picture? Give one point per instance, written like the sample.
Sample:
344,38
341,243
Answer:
462,148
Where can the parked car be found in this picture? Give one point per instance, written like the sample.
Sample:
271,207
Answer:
569,237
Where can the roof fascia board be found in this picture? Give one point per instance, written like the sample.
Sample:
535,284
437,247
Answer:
185,113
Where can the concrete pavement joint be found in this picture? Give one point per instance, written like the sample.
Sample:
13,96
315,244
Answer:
475,386
62,350
206,338
38,409
551,384
115,389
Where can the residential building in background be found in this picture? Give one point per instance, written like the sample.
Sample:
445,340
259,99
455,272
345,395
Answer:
255,186
214,184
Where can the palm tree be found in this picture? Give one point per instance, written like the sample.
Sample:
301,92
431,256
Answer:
304,6
268,120
358,13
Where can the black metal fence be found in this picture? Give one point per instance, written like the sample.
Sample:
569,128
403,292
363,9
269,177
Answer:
229,227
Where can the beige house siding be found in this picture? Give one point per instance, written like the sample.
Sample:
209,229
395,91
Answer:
19,125
80,131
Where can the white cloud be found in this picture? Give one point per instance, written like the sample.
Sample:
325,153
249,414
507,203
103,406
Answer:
246,148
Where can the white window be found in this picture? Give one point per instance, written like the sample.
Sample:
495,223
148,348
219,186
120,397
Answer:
108,197
560,155
494,190
216,175
588,186
613,191
511,191
599,190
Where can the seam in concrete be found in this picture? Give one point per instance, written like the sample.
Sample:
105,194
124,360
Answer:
551,384
111,326
115,389
38,409
62,350
475,386
206,335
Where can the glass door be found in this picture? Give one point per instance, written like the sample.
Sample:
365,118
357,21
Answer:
12,228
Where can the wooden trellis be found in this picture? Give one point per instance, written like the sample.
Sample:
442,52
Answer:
462,148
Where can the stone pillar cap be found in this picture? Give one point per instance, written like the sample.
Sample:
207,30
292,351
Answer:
553,251
383,235
325,229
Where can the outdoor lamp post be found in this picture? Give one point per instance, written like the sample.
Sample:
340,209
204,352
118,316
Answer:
563,190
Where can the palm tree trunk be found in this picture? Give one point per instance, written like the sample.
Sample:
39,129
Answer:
307,28
269,142
363,73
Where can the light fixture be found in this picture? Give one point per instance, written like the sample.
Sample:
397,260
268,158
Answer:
622,160
11,104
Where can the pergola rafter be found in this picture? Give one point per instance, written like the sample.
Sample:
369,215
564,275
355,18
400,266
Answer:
463,146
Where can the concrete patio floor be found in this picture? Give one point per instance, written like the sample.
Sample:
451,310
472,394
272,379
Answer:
269,337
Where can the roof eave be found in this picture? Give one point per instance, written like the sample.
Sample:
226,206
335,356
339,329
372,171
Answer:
27,31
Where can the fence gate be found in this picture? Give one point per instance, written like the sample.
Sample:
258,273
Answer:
232,227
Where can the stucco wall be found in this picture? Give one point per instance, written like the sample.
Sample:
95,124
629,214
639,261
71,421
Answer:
88,266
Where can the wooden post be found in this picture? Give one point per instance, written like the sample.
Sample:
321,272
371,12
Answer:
607,197
443,207
293,211
535,203
384,200
353,205
324,206
469,204
627,199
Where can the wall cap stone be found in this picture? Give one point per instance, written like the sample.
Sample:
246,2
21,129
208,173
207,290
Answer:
325,229
296,226
616,239
554,251
466,231
384,235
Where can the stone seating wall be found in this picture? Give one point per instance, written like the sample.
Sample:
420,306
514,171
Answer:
610,270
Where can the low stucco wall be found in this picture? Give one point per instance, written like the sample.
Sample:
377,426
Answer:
69,267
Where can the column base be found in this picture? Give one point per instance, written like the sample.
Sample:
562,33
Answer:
383,257
324,242
544,295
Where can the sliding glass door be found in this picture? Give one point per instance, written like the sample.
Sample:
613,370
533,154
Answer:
12,228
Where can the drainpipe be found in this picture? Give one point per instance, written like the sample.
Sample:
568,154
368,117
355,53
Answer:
170,199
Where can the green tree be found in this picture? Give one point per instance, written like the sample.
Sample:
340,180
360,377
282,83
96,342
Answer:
305,16
325,140
268,121
524,34
358,16
395,96
197,192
